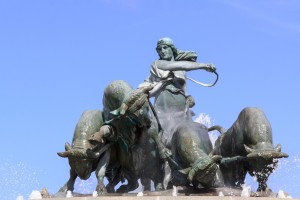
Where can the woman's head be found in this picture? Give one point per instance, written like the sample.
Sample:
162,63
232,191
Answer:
166,49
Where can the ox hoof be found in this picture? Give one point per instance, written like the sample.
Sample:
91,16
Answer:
122,189
204,171
159,187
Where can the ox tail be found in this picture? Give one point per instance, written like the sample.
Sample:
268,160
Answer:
218,128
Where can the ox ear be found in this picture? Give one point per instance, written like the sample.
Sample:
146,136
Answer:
248,149
278,148
68,146
64,154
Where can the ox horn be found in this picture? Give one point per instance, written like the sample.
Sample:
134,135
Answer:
64,154
73,153
68,146
248,149
67,151
267,154
280,155
278,148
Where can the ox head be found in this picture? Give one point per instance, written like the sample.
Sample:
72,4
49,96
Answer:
78,161
265,153
260,158
262,162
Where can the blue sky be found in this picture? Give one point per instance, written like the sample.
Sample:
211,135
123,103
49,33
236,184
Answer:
56,58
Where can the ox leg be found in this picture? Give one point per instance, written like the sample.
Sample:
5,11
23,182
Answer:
113,175
100,171
167,184
131,185
110,187
234,174
219,180
70,183
160,177
234,171
146,182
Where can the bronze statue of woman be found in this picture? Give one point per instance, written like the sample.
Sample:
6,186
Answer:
188,141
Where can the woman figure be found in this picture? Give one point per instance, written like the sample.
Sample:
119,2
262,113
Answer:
189,141
168,75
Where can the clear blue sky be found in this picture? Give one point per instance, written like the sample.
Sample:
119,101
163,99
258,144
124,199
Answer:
56,57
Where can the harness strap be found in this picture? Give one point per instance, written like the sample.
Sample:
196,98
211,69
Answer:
205,84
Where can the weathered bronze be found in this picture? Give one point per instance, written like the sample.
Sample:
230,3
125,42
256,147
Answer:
188,141
132,139
82,164
249,140
126,114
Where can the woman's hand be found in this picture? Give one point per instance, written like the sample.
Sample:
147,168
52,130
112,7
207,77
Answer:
210,67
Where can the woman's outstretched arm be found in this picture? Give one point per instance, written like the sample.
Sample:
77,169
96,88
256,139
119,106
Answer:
183,65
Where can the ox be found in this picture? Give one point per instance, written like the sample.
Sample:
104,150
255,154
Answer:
126,112
247,146
81,164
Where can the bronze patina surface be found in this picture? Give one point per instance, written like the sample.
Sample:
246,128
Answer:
131,139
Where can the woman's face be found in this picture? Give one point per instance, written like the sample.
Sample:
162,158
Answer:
165,52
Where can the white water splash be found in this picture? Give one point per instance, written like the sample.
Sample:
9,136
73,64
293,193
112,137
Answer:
86,186
246,191
221,194
69,194
208,122
281,194
20,198
17,179
174,192
35,195
95,194
204,119
140,194
285,177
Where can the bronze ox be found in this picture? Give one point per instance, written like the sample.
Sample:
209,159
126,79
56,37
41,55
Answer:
247,147
81,164
127,123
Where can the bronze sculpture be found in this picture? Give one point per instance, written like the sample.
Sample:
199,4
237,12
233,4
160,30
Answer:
81,163
137,140
249,140
127,128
